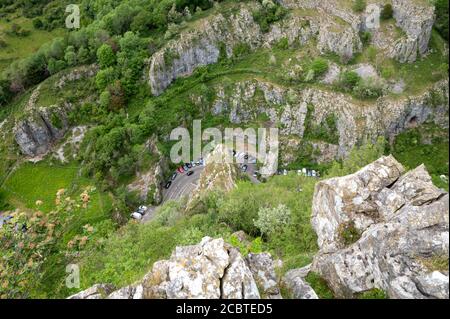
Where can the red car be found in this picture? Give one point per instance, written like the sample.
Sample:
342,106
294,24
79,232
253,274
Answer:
180,169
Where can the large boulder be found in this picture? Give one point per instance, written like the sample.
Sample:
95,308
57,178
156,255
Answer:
39,129
211,269
399,226
294,281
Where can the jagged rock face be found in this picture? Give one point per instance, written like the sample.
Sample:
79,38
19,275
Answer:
40,128
402,220
416,20
152,179
211,269
263,270
339,200
220,173
294,281
202,45
355,121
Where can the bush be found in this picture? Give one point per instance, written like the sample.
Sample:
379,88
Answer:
273,220
241,49
359,5
387,12
269,14
348,80
105,56
366,37
368,89
441,23
38,24
319,66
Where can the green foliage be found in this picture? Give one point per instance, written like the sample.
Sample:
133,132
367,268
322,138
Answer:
319,66
273,220
358,158
413,147
325,131
319,285
105,56
368,89
441,23
373,294
387,12
241,49
349,80
271,12
348,233
366,37
359,5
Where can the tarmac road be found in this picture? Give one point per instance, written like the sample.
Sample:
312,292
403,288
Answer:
183,185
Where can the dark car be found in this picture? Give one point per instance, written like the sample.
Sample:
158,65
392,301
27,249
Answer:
246,156
185,167
167,186
244,168
190,173
189,165
174,176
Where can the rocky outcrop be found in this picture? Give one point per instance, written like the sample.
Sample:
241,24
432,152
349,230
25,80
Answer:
263,270
148,184
294,281
220,173
36,132
82,72
203,44
356,121
211,269
377,227
416,20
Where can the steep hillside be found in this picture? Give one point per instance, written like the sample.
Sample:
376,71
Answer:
86,118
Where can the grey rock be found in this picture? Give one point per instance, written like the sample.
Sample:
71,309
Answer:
263,270
98,291
37,131
293,280
402,219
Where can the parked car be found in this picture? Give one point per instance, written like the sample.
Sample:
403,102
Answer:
190,173
189,165
180,169
185,167
136,216
174,176
246,156
168,184
244,168
142,209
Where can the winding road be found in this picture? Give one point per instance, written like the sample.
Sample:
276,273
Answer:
183,185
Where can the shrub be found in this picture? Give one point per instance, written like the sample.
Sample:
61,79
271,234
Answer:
38,24
349,80
368,89
269,14
387,12
366,37
241,49
317,68
273,220
105,56
359,5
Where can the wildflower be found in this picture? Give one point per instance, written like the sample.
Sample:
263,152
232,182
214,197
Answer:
39,203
